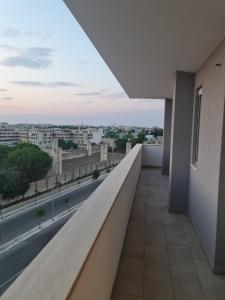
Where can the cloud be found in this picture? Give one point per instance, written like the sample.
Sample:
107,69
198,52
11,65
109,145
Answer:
14,33
46,84
104,95
7,98
3,90
89,94
32,58
27,83
83,62
115,96
62,83
8,47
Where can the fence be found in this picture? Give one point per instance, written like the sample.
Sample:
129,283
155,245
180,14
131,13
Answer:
73,174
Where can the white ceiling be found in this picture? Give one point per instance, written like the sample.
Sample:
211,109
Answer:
145,41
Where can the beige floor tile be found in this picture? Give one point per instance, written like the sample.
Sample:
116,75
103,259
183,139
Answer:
120,296
130,277
187,287
156,242
156,261
156,237
194,243
213,297
212,284
158,289
134,247
175,234
136,228
180,259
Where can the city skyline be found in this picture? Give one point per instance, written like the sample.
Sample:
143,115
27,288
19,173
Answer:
53,74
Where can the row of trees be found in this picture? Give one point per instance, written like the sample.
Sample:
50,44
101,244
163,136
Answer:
156,131
67,144
20,165
122,141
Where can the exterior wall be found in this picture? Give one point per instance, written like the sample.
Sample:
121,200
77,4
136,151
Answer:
152,155
180,151
204,180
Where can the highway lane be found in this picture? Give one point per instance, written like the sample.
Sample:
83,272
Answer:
21,223
14,261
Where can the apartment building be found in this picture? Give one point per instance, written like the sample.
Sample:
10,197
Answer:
8,134
143,235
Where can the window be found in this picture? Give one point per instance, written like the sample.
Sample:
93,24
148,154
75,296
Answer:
197,114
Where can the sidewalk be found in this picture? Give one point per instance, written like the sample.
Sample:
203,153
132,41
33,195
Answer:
26,205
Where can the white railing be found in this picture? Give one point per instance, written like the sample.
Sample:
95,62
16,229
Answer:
81,261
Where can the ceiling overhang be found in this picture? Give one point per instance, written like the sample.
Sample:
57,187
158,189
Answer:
145,42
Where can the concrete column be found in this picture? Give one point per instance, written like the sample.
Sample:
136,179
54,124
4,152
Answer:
89,150
128,147
180,151
104,152
219,261
57,158
167,136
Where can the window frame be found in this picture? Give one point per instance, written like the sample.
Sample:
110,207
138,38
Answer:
196,127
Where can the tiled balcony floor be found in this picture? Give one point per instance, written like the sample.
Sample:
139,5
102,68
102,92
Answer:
162,258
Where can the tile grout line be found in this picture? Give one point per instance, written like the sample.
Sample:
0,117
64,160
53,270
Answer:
197,273
167,250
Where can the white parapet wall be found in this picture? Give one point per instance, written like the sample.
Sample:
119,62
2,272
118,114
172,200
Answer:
152,155
81,261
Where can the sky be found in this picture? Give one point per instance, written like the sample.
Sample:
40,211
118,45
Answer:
50,72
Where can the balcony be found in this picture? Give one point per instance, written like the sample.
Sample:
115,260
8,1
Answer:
123,245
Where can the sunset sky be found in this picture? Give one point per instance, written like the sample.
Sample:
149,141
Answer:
51,73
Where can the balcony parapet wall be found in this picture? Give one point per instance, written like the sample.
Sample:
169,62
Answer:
152,155
81,261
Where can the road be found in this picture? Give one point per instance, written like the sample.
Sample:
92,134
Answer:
16,259
23,222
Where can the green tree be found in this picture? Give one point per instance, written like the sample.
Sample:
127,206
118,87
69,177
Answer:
4,151
95,174
66,201
1,207
121,144
13,183
156,131
30,161
39,213
67,144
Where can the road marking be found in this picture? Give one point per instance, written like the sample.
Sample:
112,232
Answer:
22,210
10,279
23,237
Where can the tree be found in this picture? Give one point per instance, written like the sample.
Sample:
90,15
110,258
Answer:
67,144
39,213
95,174
29,160
121,145
13,183
156,131
4,151
66,201
1,207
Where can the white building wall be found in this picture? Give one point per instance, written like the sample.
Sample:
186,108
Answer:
204,180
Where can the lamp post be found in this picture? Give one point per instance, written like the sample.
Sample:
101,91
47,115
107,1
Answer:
53,208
